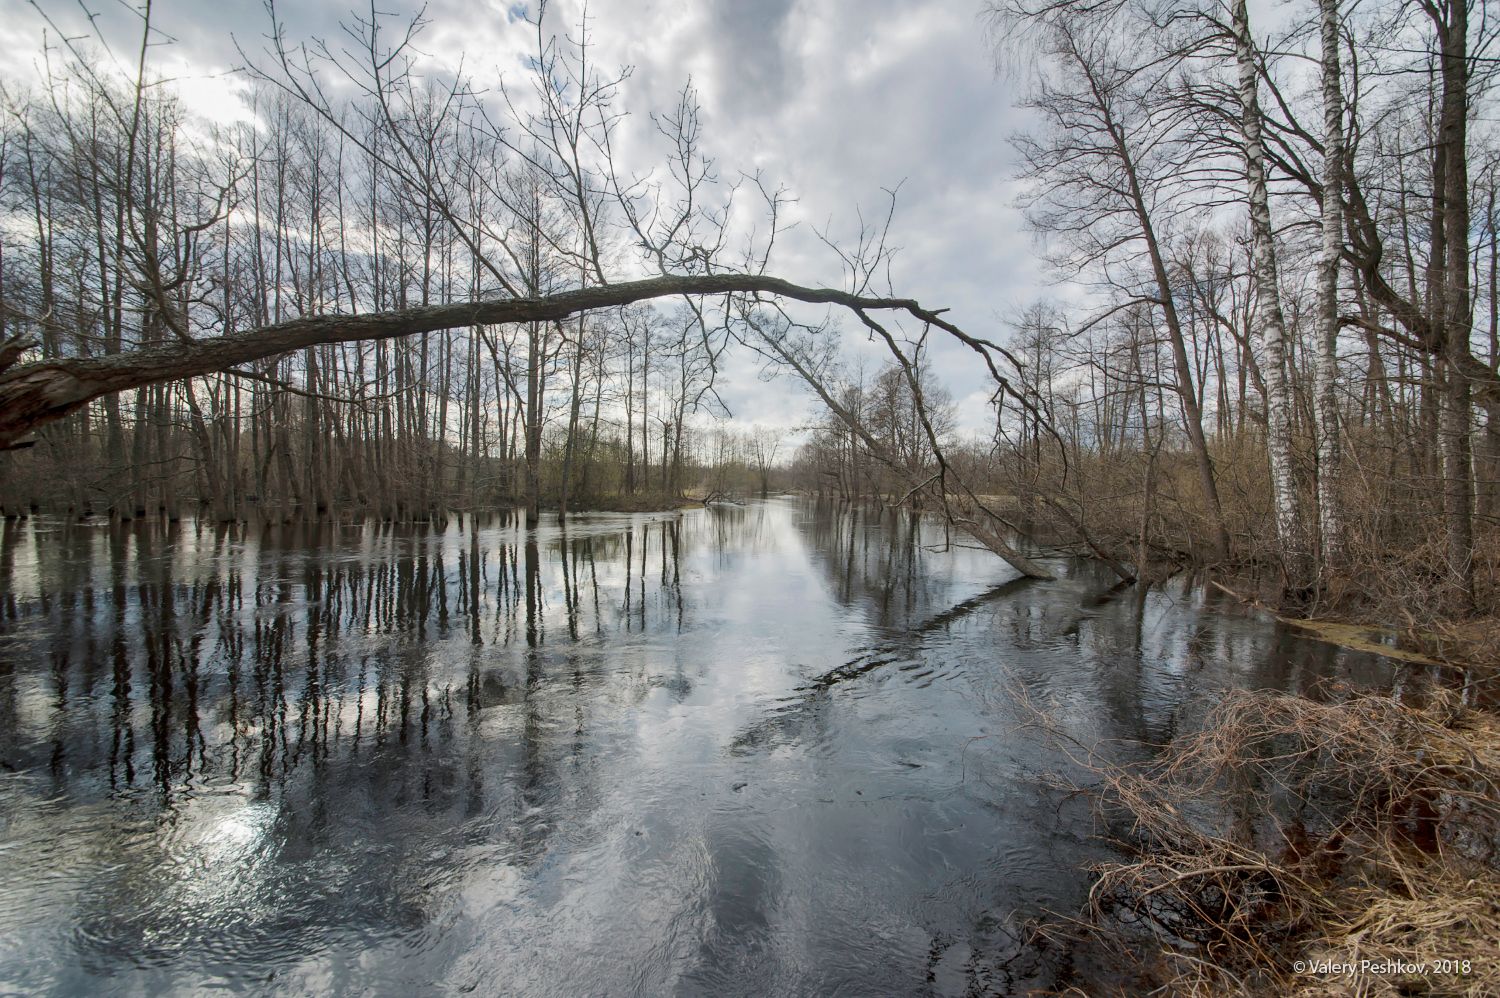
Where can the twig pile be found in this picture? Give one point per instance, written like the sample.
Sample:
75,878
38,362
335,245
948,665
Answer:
1333,834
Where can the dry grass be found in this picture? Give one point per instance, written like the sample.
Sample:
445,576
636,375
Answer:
1286,830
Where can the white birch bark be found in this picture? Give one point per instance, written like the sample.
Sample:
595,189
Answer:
1325,397
1272,323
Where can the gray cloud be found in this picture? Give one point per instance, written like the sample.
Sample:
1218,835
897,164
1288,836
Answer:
750,39
835,100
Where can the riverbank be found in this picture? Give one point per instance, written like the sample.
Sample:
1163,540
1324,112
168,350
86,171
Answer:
1308,847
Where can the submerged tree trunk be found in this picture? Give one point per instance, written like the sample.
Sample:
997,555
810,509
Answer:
968,512
575,405
533,496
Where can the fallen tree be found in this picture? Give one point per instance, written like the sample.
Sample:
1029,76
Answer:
37,393
34,394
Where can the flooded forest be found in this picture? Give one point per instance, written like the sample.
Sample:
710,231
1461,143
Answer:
470,524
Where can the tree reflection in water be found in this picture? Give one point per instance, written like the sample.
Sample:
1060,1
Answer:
731,749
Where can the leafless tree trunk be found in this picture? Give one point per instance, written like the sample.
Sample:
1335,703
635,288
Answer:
1289,523
1330,516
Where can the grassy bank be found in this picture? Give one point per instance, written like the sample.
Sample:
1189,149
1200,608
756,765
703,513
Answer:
1298,847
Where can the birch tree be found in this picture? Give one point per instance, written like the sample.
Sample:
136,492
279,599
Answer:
1330,516
1289,522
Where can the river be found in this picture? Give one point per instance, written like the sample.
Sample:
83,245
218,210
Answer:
779,748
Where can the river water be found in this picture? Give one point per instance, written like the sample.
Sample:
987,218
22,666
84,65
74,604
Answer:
771,749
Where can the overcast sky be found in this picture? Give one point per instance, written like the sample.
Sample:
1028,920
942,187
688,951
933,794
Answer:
834,99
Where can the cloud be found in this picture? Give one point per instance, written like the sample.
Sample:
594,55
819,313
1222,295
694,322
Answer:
839,101
835,100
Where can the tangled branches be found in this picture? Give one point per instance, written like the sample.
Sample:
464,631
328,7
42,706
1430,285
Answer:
1330,833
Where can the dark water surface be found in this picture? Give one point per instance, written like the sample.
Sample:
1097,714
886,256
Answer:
767,750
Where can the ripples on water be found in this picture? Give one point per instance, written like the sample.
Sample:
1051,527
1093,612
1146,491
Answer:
758,750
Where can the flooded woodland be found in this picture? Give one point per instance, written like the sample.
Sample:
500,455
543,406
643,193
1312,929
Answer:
750,497
777,748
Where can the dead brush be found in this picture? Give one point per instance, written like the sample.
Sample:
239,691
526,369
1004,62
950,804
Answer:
1475,642
1286,830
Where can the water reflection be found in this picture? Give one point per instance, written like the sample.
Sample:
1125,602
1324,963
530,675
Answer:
756,749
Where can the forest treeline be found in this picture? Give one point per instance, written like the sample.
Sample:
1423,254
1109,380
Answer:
1289,230
1286,358
1286,355
132,224
1279,353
